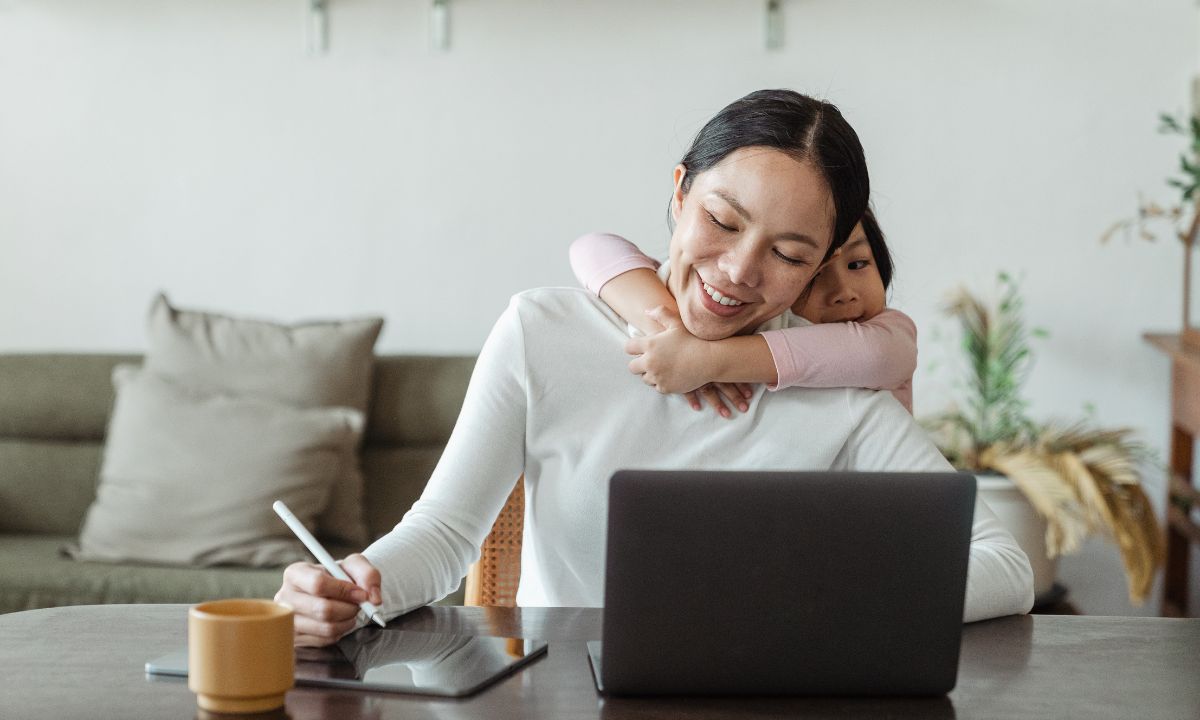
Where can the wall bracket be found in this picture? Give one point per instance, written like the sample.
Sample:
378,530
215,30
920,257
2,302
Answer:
439,25
317,27
774,24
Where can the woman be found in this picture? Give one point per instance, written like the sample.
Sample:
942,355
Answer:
551,396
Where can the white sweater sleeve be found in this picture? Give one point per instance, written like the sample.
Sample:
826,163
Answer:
886,438
427,554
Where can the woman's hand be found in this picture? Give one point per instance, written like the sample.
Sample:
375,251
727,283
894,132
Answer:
327,608
675,361
715,394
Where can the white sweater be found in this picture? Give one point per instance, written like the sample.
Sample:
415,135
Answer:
551,397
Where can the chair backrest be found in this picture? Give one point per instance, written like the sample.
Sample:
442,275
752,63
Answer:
493,580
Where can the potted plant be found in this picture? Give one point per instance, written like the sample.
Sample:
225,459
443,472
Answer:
1177,214
1051,484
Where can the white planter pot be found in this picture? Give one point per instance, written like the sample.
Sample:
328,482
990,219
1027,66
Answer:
1028,528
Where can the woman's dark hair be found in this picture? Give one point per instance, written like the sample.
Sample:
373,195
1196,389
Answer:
803,127
879,248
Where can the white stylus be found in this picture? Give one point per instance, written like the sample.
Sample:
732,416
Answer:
322,555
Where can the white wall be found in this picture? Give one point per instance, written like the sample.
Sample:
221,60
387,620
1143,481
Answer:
194,147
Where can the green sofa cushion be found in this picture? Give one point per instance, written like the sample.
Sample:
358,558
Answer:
57,396
396,477
415,399
54,409
46,486
34,574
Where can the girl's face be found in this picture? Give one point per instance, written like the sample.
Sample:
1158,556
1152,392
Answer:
749,235
848,287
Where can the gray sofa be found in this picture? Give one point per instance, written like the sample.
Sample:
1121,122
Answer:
53,413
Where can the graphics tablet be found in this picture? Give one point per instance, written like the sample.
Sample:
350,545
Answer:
402,661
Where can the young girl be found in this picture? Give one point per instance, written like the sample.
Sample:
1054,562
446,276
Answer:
855,341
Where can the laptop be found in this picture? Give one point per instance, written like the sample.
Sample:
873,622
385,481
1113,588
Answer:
784,583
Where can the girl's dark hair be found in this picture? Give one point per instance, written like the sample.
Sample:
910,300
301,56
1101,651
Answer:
879,248
803,127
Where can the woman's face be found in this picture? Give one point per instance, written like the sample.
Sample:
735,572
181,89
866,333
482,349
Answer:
848,287
749,236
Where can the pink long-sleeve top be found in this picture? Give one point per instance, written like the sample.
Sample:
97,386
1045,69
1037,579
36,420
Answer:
879,353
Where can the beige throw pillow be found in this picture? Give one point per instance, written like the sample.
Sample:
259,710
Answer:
314,364
188,478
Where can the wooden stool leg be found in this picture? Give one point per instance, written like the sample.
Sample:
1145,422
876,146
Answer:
1180,492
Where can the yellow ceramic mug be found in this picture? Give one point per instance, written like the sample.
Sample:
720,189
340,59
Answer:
240,656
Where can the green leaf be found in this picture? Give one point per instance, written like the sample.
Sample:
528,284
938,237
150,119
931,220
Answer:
994,343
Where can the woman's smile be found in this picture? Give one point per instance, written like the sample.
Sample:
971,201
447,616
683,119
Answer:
750,234
719,303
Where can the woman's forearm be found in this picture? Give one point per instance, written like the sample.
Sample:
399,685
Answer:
887,439
426,555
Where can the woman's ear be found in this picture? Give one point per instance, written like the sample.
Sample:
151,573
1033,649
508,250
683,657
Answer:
677,196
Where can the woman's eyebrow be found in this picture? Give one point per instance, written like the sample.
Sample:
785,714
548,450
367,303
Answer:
733,202
798,237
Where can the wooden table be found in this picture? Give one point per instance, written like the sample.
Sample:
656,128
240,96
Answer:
87,662
1182,494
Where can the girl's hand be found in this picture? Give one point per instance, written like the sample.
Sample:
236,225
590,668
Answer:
675,361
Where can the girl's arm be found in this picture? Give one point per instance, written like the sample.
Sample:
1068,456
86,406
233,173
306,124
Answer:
880,353
625,278
676,361
597,258
622,275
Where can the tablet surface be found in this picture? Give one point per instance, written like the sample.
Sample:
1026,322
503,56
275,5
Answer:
401,661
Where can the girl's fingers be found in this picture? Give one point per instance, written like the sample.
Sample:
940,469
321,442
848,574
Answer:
746,389
693,400
665,316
